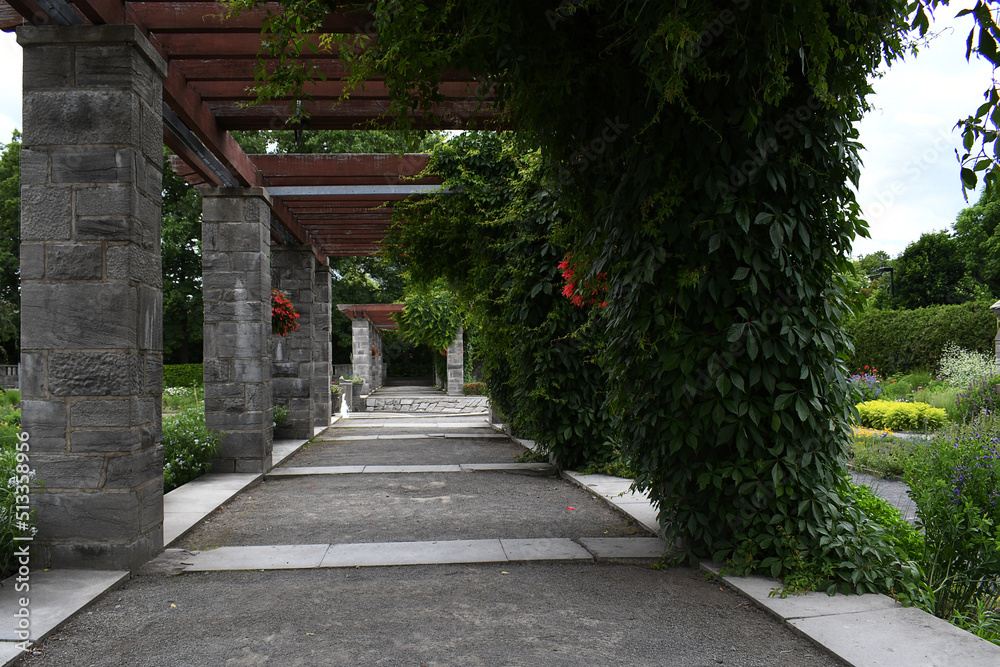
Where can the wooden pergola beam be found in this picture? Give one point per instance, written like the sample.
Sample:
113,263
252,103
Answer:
327,90
354,114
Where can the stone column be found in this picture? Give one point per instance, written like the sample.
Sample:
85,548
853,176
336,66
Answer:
236,279
361,340
292,355
322,345
996,311
91,293
456,365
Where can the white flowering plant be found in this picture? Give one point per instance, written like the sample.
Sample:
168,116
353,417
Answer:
188,447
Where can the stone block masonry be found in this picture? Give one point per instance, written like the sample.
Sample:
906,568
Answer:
322,347
91,293
236,279
292,368
456,365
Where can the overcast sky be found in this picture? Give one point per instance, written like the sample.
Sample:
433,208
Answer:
909,181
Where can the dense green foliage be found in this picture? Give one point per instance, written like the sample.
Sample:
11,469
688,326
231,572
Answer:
14,471
903,536
980,398
895,416
977,234
900,341
183,375
188,447
929,272
879,452
492,241
10,251
955,483
183,308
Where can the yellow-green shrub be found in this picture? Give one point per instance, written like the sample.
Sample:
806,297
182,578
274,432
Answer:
901,416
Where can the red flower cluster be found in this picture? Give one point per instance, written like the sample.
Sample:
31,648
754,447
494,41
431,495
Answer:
575,294
283,315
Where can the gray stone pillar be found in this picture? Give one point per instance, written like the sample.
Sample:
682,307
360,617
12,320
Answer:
292,355
91,293
996,311
322,345
456,365
236,279
361,342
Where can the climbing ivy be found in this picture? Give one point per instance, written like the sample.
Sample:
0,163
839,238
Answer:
430,316
492,241
703,154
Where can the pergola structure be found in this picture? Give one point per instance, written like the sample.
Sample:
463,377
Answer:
106,84
367,322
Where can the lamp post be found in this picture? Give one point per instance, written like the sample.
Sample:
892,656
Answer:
882,270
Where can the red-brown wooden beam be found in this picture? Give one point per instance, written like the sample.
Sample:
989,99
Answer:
328,90
102,11
211,16
223,69
354,115
373,166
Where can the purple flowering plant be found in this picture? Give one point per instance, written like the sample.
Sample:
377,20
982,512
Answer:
867,384
955,482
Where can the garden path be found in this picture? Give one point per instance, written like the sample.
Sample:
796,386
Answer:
501,563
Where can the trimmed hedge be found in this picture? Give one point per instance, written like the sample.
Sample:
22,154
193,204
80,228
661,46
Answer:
182,375
903,341
474,388
896,416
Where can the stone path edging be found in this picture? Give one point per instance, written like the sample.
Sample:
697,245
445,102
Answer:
862,630
378,554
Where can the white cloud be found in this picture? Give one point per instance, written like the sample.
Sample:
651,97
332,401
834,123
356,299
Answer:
909,182
10,86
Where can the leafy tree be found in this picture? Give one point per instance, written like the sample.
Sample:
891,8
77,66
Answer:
929,272
977,233
10,239
183,307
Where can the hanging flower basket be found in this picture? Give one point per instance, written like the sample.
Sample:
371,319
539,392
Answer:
284,319
585,293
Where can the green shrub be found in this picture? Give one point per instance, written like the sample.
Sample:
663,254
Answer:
176,399
10,397
896,388
879,453
955,483
907,541
474,388
963,367
10,458
901,416
945,399
280,416
188,447
183,375
900,341
980,399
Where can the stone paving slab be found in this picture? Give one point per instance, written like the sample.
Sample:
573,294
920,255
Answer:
186,506
616,491
393,507
544,549
53,597
805,605
278,557
898,637
9,653
299,471
624,547
415,553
